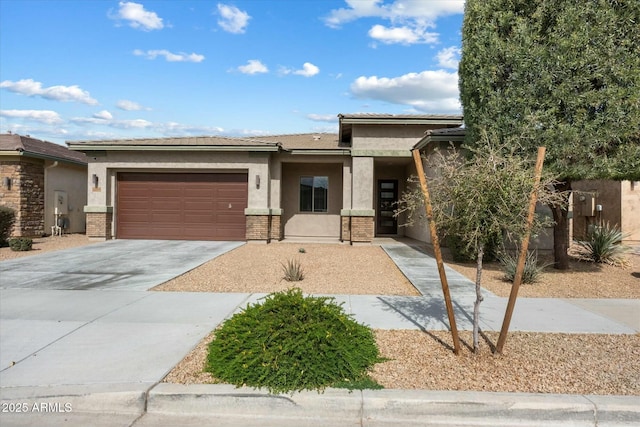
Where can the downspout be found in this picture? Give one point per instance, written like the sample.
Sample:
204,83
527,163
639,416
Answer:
52,166
46,192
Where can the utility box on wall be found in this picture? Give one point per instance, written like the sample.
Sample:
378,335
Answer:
61,205
587,205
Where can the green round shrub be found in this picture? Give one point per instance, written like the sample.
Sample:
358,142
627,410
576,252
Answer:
290,342
20,244
7,218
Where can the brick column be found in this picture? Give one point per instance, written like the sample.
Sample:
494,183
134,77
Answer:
258,227
99,220
345,228
362,229
275,230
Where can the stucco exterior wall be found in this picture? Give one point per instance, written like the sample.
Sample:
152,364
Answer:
419,228
603,192
630,221
620,206
307,224
72,179
388,137
107,166
362,183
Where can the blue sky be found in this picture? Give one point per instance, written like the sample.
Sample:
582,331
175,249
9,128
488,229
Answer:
99,69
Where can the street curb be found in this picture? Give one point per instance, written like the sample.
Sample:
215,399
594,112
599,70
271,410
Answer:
228,401
111,398
397,407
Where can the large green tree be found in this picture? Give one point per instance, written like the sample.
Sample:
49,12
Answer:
567,72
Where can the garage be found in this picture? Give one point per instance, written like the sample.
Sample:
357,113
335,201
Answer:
181,206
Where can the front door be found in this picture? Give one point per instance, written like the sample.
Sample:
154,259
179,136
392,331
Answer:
387,199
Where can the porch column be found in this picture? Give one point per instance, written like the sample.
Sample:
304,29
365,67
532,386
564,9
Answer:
362,212
275,191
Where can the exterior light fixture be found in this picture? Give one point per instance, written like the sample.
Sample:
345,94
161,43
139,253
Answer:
6,182
258,181
94,179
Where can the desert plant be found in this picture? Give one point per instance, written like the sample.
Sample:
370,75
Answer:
302,250
603,245
290,342
7,218
20,244
532,269
293,271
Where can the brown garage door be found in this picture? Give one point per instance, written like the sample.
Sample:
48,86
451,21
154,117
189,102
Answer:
181,206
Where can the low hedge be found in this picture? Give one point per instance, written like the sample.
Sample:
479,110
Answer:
290,342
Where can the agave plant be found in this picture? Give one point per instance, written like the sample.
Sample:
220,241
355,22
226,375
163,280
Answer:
532,269
604,245
293,271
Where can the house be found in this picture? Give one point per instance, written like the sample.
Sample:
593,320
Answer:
45,183
307,186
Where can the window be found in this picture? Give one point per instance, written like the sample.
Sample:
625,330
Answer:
313,193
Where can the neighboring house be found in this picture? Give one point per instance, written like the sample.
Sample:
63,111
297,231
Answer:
45,183
600,201
307,186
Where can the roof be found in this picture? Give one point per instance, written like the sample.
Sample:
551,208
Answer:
441,135
299,143
204,143
11,143
306,141
346,121
448,132
364,117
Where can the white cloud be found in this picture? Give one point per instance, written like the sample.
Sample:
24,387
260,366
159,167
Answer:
138,17
398,11
104,118
29,87
409,18
428,91
127,105
307,70
449,57
233,20
330,118
253,66
103,115
43,116
170,56
402,35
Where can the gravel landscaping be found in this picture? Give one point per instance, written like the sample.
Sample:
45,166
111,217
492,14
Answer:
328,268
582,280
532,362
47,244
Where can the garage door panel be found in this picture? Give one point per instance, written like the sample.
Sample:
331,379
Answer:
135,204
164,205
199,205
166,193
181,206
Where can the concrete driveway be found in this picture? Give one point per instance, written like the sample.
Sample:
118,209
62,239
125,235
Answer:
116,264
80,320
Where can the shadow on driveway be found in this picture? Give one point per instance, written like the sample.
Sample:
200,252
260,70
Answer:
113,265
